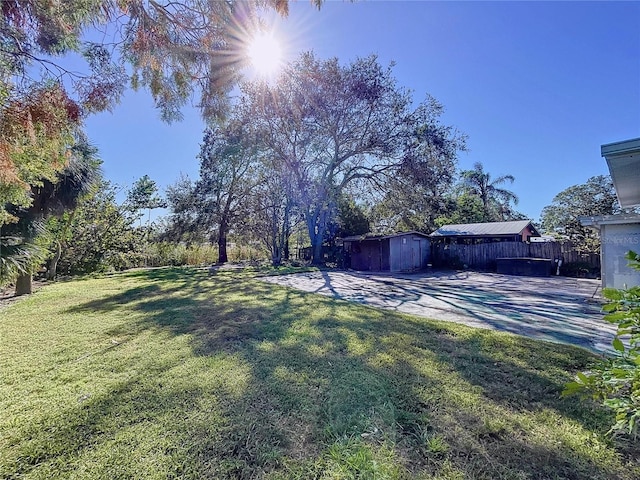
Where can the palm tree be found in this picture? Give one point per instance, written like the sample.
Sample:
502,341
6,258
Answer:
20,255
495,200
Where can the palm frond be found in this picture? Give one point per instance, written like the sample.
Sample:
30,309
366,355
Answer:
18,257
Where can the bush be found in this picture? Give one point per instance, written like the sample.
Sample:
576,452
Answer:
616,381
579,269
162,254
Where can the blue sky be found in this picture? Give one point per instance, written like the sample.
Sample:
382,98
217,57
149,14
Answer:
536,86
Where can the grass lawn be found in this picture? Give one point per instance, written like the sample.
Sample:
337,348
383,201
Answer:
173,374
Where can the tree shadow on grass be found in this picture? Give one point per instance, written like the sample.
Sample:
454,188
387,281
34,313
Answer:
323,371
193,432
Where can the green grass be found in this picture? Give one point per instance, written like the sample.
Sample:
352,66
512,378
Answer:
173,374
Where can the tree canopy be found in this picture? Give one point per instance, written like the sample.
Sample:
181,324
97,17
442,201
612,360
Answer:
331,127
496,201
596,196
176,50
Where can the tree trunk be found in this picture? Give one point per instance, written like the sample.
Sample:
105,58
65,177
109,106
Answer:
23,284
222,244
53,263
316,254
287,233
317,229
276,256
316,246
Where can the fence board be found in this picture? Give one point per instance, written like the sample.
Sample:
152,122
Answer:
483,255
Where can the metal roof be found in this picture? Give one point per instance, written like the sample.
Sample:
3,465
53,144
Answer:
483,229
373,236
623,159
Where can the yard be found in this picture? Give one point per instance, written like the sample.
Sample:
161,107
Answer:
170,373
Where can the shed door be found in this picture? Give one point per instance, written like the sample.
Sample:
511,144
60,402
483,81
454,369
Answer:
416,255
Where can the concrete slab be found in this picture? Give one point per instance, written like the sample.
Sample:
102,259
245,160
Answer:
558,309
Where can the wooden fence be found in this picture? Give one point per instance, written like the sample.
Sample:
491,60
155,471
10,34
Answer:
482,256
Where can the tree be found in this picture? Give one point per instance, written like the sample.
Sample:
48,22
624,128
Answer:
176,50
228,157
102,232
53,198
416,195
271,214
143,195
336,126
465,208
495,200
183,222
595,197
79,178
37,133
352,218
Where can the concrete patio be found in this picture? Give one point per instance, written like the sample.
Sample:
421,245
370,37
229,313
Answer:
557,309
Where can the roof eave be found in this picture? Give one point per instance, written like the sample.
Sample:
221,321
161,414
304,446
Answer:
623,160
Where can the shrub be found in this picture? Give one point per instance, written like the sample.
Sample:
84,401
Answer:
616,381
579,269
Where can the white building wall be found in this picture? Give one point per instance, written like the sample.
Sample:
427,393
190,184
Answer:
617,240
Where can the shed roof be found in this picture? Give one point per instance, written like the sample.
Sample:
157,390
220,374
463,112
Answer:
623,159
373,236
483,229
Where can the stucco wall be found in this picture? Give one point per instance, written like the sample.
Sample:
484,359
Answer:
617,240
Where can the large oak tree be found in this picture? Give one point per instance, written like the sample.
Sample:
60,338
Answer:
331,126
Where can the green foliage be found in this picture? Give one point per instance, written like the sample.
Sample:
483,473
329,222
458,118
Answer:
496,201
351,219
18,256
228,161
101,235
176,50
143,195
184,221
616,381
595,197
466,208
37,130
24,243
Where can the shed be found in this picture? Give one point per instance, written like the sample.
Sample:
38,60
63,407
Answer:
399,252
472,233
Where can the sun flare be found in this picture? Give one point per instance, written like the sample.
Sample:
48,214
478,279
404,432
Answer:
265,53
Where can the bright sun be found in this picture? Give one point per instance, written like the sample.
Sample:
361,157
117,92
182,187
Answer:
265,53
